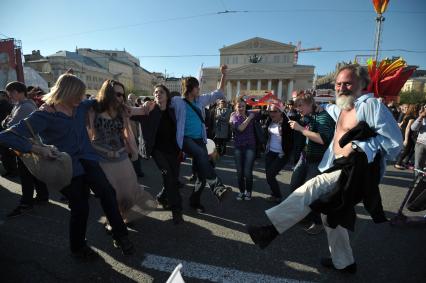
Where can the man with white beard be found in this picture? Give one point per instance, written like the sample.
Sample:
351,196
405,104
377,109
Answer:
352,107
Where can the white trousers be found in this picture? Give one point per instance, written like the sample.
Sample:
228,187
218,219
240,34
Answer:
296,207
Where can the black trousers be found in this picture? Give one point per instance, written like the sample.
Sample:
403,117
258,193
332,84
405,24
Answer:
8,159
29,183
274,163
78,193
169,166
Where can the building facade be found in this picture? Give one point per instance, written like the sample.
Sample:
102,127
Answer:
173,84
94,67
417,84
262,65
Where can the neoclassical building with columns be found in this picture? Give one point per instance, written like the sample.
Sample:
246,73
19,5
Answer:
259,64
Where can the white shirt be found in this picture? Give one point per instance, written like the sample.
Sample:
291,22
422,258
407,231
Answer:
275,142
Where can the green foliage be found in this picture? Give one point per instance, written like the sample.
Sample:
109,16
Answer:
412,97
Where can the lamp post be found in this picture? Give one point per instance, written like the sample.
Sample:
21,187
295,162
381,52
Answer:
379,20
380,7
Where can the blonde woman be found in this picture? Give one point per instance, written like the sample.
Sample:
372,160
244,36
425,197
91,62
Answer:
112,138
62,123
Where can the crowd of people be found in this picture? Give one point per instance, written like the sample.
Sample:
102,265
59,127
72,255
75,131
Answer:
338,152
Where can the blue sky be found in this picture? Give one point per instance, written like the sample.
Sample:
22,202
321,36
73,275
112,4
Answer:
188,27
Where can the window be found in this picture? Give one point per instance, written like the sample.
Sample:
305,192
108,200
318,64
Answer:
285,58
276,58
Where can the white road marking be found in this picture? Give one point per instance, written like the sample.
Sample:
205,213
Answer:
209,272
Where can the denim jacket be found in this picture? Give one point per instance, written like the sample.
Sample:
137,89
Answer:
201,102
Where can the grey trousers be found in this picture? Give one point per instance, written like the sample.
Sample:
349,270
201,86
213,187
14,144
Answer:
419,157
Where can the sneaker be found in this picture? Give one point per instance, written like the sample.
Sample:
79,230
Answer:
192,178
240,196
85,253
400,167
221,192
314,229
20,210
262,236
247,196
274,199
327,262
125,245
108,228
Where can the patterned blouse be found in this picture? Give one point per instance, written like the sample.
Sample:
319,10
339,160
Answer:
108,137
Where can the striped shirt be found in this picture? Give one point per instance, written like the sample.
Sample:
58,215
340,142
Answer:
323,124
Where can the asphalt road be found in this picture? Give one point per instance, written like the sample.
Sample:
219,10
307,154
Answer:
213,246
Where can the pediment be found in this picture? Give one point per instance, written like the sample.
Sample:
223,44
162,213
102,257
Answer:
257,43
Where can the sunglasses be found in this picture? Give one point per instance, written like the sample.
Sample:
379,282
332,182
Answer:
118,94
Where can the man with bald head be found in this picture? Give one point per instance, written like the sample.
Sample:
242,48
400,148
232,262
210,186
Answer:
366,136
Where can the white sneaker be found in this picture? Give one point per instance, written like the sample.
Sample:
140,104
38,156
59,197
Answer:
240,196
247,196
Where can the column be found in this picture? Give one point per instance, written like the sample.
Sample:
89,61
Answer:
248,85
269,84
259,84
290,89
228,91
238,87
280,89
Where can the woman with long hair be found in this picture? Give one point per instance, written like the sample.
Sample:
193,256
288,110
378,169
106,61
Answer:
62,123
409,143
112,138
242,124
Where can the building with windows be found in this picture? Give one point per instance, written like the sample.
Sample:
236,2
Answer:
173,84
262,65
94,67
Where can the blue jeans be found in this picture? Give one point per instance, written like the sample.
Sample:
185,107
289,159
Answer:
205,171
244,161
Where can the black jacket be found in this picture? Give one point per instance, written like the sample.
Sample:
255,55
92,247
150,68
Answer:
149,125
359,181
287,140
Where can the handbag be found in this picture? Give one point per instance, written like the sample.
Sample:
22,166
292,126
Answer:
55,173
259,133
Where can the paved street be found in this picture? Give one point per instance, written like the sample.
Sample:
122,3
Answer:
212,246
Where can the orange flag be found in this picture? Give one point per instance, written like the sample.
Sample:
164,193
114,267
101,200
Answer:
380,5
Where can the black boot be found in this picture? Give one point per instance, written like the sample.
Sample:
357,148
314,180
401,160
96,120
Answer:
262,236
177,217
